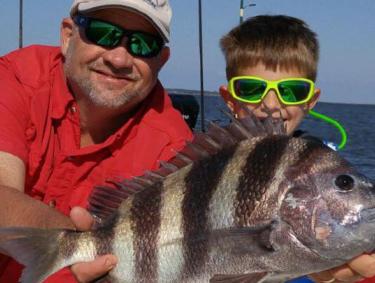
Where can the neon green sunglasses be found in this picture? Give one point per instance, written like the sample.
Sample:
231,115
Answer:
291,91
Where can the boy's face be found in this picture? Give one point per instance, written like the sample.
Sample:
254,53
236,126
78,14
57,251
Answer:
270,105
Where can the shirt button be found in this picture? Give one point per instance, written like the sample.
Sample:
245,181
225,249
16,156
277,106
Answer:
73,109
52,203
30,133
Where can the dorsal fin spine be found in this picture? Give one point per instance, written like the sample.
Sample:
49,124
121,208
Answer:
106,199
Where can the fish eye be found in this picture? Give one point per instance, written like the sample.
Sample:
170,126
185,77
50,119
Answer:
344,183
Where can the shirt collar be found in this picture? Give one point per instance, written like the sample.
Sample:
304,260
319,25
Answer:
62,98
149,111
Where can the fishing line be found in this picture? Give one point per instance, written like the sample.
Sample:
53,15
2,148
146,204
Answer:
334,123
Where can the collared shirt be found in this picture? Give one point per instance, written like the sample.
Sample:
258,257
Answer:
39,123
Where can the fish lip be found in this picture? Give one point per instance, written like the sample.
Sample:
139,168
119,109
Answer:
368,214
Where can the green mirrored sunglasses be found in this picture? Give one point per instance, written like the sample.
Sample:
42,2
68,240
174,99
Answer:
138,43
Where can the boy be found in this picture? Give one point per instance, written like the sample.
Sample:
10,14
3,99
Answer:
271,48
271,66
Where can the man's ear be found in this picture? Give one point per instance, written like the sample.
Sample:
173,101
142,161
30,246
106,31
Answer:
66,33
227,97
311,104
164,56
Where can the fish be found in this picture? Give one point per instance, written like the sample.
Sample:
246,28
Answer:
240,203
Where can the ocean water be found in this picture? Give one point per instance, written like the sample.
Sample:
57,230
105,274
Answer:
358,120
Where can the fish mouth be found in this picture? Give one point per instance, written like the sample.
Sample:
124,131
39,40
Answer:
368,214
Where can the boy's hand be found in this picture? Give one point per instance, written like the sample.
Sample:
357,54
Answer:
89,271
353,271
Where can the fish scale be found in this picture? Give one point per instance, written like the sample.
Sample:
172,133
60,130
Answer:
244,203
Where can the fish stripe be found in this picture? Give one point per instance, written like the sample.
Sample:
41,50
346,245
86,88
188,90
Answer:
171,257
221,207
145,223
257,176
68,248
104,236
201,183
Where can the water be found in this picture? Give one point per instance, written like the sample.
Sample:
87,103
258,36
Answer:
358,120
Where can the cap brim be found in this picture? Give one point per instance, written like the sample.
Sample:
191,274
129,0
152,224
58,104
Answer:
126,5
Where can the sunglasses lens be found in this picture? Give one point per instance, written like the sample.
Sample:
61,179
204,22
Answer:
250,90
144,45
294,91
103,34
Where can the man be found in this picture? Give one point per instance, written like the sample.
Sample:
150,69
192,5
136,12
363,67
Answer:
76,116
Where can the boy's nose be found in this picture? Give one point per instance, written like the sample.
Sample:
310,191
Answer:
271,101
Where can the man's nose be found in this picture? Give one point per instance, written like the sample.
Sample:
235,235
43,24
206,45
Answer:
118,57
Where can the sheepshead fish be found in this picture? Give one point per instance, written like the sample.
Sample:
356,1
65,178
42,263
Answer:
244,203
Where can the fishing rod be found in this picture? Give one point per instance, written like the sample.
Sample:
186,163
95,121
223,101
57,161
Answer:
201,63
20,32
242,8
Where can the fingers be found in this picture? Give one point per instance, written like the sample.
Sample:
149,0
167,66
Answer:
363,265
88,271
81,218
345,274
329,277
355,270
322,277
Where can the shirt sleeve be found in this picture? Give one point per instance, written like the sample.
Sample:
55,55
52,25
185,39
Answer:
14,112
63,276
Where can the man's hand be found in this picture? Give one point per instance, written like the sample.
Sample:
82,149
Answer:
353,271
89,271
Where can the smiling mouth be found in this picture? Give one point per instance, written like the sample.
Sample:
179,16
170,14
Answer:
276,120
276,125
115,76
111,76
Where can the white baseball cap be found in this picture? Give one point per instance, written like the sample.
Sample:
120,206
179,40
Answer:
158,12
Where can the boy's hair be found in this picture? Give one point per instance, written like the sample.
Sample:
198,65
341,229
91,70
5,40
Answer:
277,41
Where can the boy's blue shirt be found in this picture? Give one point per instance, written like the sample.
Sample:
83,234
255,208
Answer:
303,279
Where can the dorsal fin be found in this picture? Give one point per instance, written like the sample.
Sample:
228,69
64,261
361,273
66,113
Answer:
220,135
104,200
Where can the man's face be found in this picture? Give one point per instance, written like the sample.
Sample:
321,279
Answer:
292,115
109,77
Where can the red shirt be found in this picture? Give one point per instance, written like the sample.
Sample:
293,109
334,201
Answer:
39,123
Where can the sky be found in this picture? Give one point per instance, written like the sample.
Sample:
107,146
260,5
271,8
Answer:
346,31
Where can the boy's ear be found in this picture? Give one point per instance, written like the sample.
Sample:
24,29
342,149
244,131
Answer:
66,33
311,104
227,97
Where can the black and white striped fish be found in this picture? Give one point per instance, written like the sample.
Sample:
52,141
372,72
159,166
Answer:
245,203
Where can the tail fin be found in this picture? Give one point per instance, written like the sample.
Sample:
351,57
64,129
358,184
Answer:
39,250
